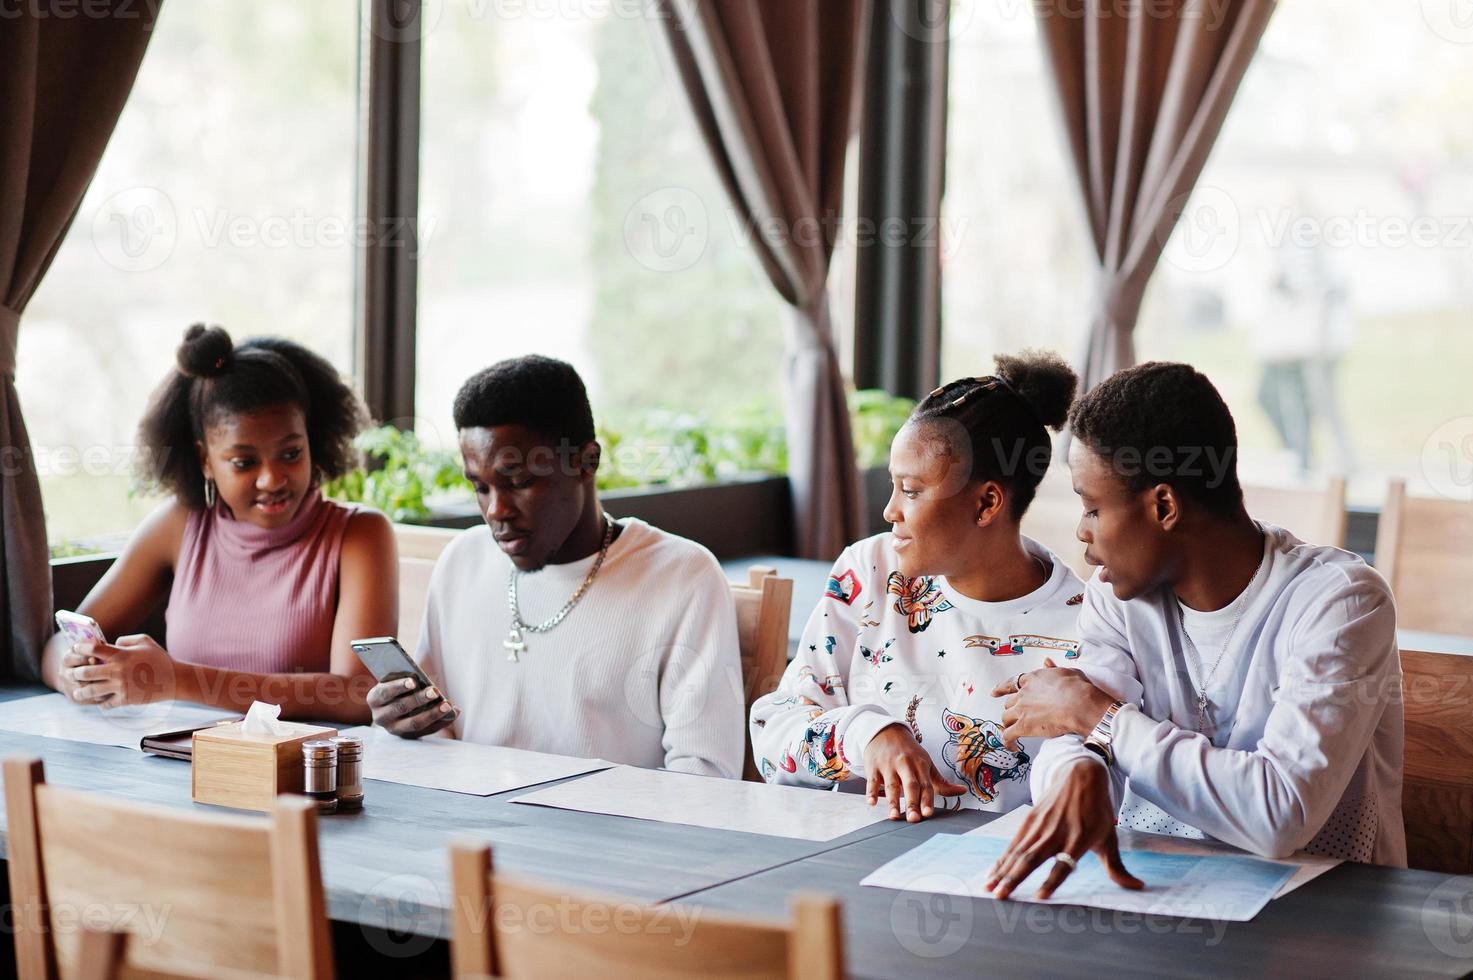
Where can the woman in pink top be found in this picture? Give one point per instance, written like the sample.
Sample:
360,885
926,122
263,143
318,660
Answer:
266,581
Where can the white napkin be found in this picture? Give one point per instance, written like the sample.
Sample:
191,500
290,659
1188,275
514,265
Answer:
264,719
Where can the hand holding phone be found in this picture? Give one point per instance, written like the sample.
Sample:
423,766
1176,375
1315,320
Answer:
404,701
80,629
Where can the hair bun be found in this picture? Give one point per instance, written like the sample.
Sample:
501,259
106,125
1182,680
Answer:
205,352
1043,380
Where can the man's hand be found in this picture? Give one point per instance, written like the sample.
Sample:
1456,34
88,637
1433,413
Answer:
405,708
1048,703
898,766
135,670
1077,817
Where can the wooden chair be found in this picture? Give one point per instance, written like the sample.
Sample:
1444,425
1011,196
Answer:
496,933
103,955
1424,547
762,609
1437,769
419,549
1312,516
418,541
214,892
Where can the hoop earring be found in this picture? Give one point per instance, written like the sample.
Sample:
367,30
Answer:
209,492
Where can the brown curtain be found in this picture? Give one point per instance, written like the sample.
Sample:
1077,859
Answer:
63,81
774,86
1144,87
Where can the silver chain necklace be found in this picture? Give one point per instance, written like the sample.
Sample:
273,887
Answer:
1240,602
514,644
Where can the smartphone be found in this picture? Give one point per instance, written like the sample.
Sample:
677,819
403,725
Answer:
79,628
387,661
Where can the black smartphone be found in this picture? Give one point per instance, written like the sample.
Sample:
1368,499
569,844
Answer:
387,661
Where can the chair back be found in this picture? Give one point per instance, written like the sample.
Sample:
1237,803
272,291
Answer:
763,605
507,927
205,892
1437,767
419,549
1424,547
1312,516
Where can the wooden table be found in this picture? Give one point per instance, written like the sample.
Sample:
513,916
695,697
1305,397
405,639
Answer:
386,869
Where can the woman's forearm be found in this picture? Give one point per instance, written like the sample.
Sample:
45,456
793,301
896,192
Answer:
317,697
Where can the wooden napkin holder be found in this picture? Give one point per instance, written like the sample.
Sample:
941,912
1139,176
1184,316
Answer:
230,768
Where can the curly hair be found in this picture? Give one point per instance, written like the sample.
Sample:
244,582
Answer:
1163,422
1006,416
542,393
215,378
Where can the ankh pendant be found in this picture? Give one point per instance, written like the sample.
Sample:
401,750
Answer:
514,645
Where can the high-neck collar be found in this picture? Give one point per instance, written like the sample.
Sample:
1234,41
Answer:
248,538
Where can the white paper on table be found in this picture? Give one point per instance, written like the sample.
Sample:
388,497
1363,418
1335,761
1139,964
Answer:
461,767
1226,888
55,716
709,801
1307,867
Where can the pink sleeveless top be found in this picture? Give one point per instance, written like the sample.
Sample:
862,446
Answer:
258,599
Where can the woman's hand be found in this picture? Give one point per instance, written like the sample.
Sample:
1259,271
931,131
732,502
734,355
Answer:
135,670
898,766
1077,817
1048,703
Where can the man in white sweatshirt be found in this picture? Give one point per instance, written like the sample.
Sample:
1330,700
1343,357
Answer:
556,628
1235,683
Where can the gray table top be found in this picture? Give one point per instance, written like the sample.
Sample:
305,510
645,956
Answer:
387,868
1356,920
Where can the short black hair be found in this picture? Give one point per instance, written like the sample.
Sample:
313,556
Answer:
1005,415
1164,422
215,378
542,393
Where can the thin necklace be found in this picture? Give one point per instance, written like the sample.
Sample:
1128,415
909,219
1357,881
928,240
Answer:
1239,603
514,644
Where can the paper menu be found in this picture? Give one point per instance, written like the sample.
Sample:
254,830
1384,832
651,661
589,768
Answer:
719,804
55,716
1307,867
461,767
1224,888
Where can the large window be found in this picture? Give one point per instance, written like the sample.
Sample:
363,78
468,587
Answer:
568,207
1322,274
225,195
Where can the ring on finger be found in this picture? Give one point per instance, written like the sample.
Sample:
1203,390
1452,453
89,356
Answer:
1018,681
1066,859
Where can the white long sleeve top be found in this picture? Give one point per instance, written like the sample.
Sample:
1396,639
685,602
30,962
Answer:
1303,747
644,671
882,649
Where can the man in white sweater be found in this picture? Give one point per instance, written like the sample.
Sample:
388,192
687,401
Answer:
1235,683
555,628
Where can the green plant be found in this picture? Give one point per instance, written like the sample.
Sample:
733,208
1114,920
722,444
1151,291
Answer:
399,476
876,416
